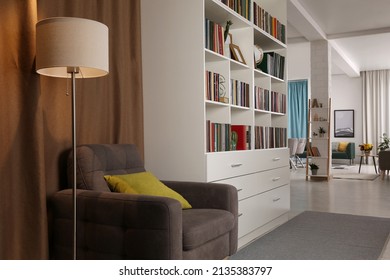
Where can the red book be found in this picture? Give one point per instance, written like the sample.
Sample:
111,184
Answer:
241,132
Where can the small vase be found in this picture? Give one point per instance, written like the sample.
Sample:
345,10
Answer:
314,171
367,153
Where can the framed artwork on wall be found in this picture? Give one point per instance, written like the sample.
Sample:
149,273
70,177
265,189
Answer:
344,123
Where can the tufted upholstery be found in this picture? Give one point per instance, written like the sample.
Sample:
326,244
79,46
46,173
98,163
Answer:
123,226
384,162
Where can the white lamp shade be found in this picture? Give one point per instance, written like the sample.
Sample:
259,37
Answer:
66,42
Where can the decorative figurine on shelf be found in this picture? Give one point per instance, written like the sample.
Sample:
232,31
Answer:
227,28
314,168
321,131
258,54
234,139
314,103
227,38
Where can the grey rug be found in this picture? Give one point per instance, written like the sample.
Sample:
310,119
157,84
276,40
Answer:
321,236
356,176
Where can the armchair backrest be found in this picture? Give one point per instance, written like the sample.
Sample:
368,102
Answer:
96,160
384,160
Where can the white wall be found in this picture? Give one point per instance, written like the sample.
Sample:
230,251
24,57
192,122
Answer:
347,95
298,61
346,92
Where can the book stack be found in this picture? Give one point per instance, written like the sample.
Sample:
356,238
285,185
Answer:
273,64
214,37
215,87
278,102
261,98
268,23
218,137
239,92
241,7
270,137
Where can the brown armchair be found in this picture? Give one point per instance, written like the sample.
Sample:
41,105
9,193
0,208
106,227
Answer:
384,162
127,226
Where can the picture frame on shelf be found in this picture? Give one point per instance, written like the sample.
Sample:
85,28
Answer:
237,54
344,123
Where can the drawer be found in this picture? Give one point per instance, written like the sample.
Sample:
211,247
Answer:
263,208
225,165
253,184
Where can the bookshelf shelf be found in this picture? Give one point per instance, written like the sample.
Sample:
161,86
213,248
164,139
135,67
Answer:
181,91
318,147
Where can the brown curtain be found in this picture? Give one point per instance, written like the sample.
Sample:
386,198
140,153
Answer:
35,112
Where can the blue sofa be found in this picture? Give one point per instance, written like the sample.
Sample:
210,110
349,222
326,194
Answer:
349,152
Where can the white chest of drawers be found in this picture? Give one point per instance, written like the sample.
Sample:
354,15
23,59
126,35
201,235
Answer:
262,179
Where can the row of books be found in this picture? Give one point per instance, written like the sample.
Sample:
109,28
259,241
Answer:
218,137
270,137
261,99
215,87
273,64
225,137
268,23
241,7
239,92
278,102
214,37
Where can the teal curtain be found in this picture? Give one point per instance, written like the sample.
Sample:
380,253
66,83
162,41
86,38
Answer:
297,109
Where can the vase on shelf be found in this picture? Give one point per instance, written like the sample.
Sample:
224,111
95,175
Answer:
367,153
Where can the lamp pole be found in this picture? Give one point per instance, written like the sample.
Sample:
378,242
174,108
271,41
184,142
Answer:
73,71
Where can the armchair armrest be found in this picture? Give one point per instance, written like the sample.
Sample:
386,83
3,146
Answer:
207,195
351,150
211,195
117,226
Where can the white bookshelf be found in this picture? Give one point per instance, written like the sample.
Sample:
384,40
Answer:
174,62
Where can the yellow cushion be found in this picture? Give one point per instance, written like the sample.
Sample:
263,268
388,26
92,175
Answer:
143,183
343,146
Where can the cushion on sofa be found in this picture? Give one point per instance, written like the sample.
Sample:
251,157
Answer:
342,146
203,225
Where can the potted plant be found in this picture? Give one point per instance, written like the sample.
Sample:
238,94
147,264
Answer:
366,148
321,131
314,168
385,144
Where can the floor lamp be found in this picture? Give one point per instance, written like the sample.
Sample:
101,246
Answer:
76,48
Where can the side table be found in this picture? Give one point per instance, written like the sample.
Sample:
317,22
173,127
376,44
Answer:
366,157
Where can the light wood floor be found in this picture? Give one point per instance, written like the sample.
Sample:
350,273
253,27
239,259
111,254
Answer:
358,197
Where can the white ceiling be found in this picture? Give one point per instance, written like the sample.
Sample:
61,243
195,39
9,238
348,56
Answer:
358,31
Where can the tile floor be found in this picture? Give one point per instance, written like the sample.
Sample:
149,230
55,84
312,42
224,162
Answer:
358,197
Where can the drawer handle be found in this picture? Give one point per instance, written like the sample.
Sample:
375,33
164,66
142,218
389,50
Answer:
276,199
276,159
239,215
236,165
276,179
